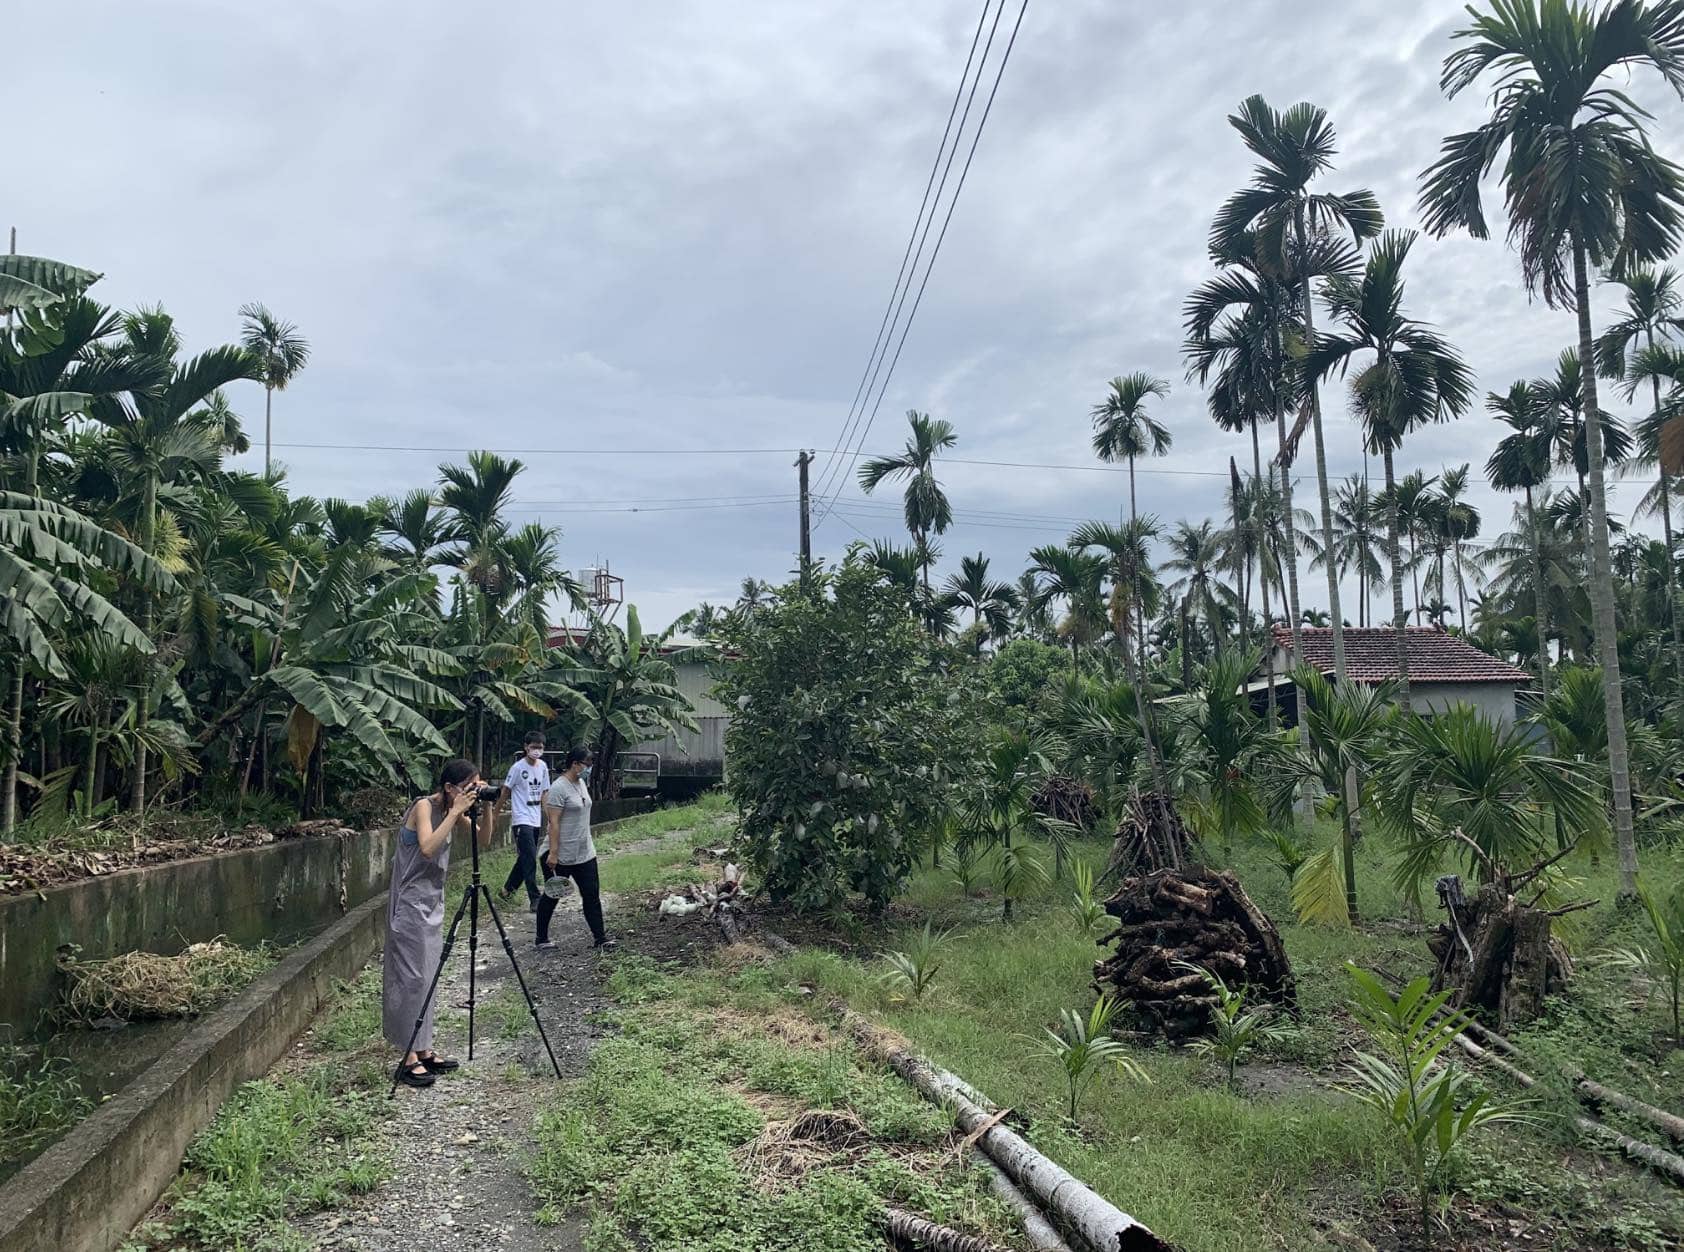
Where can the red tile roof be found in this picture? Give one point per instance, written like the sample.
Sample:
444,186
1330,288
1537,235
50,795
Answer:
1435,656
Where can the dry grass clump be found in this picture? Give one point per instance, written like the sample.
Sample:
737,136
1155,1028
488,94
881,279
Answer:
139,985
786,1151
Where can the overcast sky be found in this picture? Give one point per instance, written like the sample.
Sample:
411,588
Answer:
592,234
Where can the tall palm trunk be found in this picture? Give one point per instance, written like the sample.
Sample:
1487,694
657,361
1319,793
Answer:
268,402
143,711
1394,554
1666,530
1415,569
1335,616
1602,591
1263,574
1461,584
1540,604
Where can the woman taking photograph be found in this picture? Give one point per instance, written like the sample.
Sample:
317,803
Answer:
415,916
571,854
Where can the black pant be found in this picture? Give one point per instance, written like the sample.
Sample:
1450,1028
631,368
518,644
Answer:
526,862
585,877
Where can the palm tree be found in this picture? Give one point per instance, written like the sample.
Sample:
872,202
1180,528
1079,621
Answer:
1124,430
1077,578
477,495
987,599
1196,554
419,531
755,595
282,351
1584,188
926,505
1414,499
1127,554
1283,214
1411,376
1461,522
1233,326
1521,462
1356,539
162,436
1653,304
1561,404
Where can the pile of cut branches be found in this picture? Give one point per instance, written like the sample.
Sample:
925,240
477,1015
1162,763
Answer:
1066,799
1151,836
1171,918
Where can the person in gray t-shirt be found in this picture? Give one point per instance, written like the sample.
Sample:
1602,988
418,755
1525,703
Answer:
571,853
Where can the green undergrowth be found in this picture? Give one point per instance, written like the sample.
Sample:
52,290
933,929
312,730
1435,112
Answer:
294,1143
1293,1158
39,1099
668,1139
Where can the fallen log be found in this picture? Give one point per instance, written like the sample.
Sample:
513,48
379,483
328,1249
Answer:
905,1227
1101,1225
1042,1235
1587,1088
1657,1159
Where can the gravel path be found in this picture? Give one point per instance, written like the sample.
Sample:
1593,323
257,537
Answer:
461,1146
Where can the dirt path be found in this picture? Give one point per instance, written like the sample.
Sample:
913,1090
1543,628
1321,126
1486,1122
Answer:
460,1147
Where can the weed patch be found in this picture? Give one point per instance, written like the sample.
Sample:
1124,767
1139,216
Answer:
39,1098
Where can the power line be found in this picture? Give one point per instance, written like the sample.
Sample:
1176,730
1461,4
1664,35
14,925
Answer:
1144,471
881,341
976,137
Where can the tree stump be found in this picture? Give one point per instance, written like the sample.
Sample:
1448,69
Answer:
1151,837
1497,953
1200,917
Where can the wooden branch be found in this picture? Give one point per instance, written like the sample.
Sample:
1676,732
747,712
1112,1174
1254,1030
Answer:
1572,908
1541,866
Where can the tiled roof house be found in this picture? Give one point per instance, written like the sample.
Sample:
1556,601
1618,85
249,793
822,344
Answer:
1444,669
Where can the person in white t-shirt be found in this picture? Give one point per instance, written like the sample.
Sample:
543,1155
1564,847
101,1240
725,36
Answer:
524,787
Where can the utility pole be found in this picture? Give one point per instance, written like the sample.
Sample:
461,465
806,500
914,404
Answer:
801,463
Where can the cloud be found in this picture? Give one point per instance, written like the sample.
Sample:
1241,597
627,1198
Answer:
562,229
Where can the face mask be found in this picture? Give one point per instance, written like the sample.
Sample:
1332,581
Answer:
532,754
586,773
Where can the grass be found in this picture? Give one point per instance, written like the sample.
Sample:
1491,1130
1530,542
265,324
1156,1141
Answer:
708,809
39,1099
287,1145
672,1137
1219,1172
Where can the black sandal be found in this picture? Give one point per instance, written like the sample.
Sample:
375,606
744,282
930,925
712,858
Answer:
409,1078
440,1064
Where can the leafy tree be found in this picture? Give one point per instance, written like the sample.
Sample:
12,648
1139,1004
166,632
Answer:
629,680
1196,554
843,739
1078,579
1584,188
282,352
1126,550
928,511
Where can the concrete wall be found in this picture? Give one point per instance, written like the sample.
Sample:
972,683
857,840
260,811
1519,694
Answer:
1493,700
282,893
88,1190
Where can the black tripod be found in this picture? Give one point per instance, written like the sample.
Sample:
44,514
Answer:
470,906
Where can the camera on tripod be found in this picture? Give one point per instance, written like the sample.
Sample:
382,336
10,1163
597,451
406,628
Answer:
487,791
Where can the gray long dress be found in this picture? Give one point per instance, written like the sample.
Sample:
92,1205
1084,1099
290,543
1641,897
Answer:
414,938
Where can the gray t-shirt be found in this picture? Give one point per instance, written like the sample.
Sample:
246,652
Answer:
573,801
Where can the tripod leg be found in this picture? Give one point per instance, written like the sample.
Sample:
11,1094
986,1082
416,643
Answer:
432,990
473,952
531,1007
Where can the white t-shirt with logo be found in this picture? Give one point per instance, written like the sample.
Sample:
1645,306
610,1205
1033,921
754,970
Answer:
527,783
